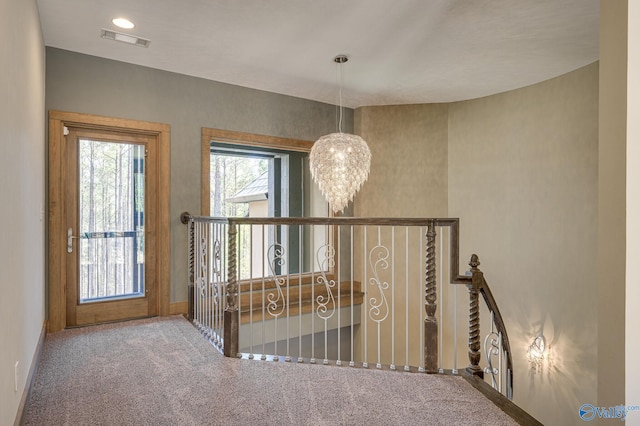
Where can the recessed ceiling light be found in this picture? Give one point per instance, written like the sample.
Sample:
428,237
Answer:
123,23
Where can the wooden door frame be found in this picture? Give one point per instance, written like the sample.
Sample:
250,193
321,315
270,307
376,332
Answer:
57,231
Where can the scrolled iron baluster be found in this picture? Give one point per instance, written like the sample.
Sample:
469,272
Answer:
200,280
276,255
491,347
378,308
217,262
327,263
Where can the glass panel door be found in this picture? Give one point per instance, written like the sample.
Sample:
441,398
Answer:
109,195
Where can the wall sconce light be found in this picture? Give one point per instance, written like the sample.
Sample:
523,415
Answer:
536,351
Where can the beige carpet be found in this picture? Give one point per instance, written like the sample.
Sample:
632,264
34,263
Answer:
161,371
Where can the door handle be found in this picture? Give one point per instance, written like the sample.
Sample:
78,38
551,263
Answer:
70,238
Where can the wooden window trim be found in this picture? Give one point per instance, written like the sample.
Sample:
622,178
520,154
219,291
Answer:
251,140
244,139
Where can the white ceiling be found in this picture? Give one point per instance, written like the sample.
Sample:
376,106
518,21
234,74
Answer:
401,51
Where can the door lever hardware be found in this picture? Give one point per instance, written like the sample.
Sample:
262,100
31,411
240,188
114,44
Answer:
70,238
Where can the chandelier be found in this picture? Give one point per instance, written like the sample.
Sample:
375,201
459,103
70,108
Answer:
339,162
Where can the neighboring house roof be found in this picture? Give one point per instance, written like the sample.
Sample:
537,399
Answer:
257,190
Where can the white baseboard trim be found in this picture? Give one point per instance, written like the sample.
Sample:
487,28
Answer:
31,377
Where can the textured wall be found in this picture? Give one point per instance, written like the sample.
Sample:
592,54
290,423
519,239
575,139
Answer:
523,178
408,175
22,185
86,84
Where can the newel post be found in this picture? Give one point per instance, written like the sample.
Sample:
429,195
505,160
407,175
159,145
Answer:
231,317
185,218
474,317
192,257
430,322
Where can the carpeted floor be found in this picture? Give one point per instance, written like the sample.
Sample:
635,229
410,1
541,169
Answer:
161,371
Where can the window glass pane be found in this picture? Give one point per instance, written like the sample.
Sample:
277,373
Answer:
111,203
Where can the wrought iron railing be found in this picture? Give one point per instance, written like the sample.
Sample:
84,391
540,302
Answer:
344,291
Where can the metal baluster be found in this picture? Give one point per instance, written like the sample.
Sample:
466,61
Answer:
239,258
217,306
196,275
287,357
264,318
365,364
205,280
421,273
251,355
455,330
223,231
339,289
393,295
500,354
378,364
441,269
211,308
312,360
215,281
300,270
351,360
406,301
329,241
275,280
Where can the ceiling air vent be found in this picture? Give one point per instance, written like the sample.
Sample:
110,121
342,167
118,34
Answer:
125,38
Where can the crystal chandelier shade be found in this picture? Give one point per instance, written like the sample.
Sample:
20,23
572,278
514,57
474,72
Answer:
339,164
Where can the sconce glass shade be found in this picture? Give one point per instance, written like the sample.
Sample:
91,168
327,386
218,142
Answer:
536,350
339,164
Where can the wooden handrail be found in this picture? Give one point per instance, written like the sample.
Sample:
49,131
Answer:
452,223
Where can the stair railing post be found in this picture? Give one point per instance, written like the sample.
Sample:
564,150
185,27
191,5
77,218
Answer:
192,256
474,318
430,322
185,218
231,317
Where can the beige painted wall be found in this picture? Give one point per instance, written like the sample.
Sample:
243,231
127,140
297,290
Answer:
520,169
523,178
22,185
632,294
612,202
